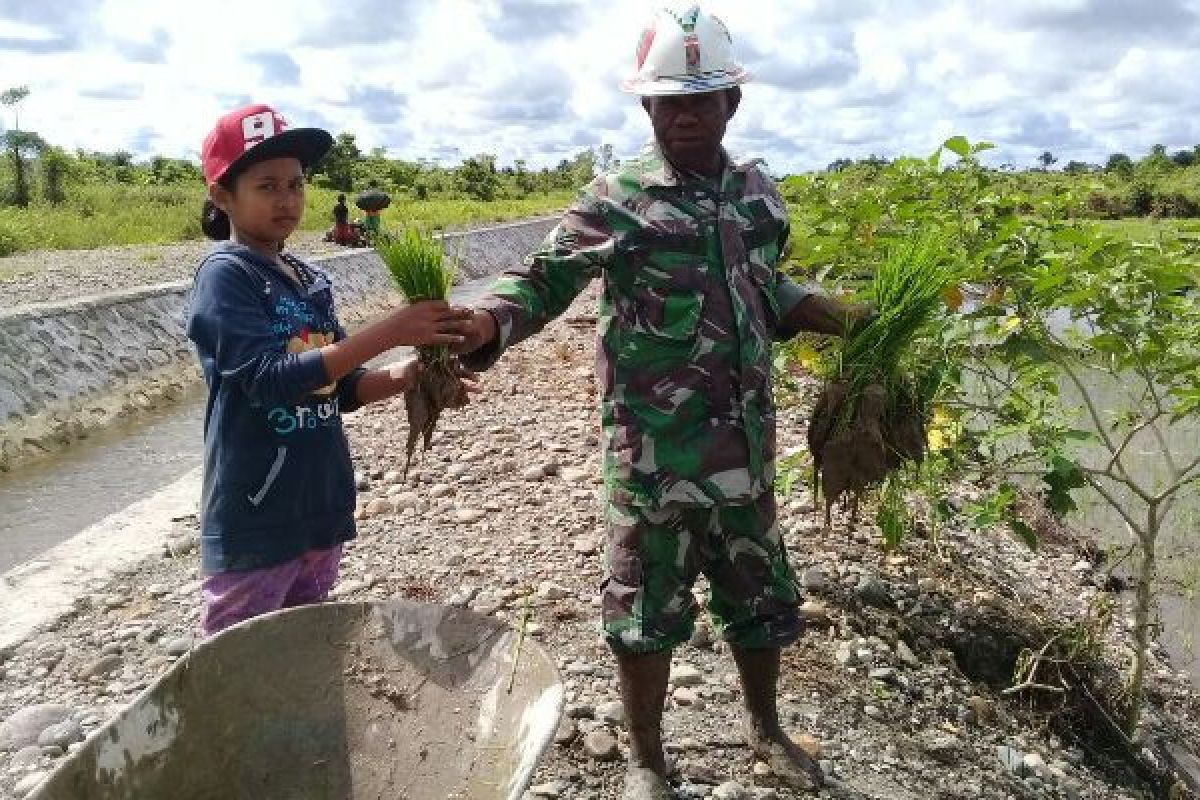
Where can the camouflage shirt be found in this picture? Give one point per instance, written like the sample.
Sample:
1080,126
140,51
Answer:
691,303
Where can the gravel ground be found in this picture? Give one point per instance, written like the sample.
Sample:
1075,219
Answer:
46,275
506,505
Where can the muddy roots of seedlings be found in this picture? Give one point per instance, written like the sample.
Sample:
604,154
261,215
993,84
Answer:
438,388
855,444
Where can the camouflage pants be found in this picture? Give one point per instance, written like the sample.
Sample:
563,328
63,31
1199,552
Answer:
654,557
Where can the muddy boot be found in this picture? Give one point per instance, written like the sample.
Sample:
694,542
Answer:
646,784
796,769
643,680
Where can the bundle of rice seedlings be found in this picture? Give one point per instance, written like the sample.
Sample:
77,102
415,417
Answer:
872,414
420,271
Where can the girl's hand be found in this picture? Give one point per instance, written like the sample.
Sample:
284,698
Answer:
429,323
470,380
402,375
389,381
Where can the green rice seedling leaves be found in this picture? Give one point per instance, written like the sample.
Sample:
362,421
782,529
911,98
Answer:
872,416
417,265
419,268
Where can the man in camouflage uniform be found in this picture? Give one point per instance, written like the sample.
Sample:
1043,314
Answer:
687,244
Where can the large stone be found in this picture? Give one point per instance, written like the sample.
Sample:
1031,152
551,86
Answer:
941,747
814,580
180,646
549,590
809,744
731,790
686,675
533,474
468,516
379,506
25,725
1035,763
883,674
600,745
814,612
567,731
611,713
873,592
62,735
576,475
552,789
101,667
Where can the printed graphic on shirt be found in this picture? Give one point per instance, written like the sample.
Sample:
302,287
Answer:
310,340
285,420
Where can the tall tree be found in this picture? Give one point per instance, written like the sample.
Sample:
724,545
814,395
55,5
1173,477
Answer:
1047,159
1120,164
1184,158
56,167
11,98
22,148
477,177
338,165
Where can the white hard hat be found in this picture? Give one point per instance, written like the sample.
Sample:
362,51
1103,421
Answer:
685,52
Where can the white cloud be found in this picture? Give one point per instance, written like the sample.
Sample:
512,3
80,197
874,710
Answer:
536,79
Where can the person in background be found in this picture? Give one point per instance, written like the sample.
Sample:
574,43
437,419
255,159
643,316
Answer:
278,494
343,233
373,217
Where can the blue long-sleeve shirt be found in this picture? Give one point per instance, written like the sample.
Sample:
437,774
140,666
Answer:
278,480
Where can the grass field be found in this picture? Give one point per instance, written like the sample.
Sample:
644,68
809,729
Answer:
1149,229
98,216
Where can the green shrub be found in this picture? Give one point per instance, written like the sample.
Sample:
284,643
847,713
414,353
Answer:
1141,199
1107,205
1174,205
8,241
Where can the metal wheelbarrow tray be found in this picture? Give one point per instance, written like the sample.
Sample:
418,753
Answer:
340,701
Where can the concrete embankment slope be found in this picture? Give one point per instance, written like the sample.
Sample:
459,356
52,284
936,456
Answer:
68,368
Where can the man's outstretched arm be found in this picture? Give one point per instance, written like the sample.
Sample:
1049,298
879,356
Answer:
523,301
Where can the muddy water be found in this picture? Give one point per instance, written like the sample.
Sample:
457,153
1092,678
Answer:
50,500
1178,548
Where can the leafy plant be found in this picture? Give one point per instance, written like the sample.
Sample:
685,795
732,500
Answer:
1072,367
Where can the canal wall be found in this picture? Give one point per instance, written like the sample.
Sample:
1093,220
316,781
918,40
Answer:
69,368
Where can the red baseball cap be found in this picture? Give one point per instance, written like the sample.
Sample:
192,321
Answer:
258,133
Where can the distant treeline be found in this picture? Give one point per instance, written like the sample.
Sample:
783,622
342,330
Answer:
37,172
1160,184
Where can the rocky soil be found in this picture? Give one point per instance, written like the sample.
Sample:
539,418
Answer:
889,688
51,275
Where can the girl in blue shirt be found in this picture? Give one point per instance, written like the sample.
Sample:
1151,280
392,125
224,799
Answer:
279,494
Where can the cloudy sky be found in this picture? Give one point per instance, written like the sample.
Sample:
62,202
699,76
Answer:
536,79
